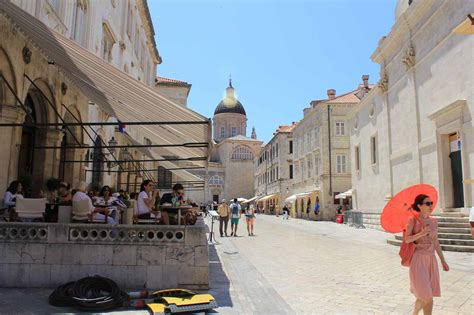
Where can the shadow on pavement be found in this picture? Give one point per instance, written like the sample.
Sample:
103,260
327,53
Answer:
219,283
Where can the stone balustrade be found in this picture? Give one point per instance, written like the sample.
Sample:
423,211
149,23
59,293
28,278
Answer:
50,254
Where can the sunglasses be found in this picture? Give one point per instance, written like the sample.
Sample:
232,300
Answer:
428,203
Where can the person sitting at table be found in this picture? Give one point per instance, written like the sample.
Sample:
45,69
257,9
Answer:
14,191
98,213
173,199
146,202
64,194
110,202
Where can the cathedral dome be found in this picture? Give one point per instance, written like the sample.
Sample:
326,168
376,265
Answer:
230,104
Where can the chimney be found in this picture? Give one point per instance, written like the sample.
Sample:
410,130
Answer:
331,94
365,79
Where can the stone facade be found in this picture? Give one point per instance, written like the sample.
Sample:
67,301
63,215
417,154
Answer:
174,90
416,126
321,152
52,98
274,171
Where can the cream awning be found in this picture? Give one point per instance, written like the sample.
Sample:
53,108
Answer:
267,197
250,200
114,91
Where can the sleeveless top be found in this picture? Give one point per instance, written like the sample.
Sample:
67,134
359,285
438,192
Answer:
425,245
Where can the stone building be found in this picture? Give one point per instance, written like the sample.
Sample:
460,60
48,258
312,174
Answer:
321,155
230,171
175,90
65,62
274,171
416,126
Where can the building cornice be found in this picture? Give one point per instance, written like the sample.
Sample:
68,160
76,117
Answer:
401,30
149,30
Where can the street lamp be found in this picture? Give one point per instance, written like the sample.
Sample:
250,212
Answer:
112,143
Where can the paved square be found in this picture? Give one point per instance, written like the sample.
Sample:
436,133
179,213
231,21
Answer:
305,267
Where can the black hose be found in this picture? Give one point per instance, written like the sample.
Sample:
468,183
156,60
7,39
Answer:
92,294
62,296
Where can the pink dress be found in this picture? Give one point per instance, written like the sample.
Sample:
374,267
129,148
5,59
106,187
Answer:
424,274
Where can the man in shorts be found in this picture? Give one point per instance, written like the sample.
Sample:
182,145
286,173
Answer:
235,215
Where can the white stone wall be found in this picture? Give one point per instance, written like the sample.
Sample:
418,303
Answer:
132,54
177,94
424,102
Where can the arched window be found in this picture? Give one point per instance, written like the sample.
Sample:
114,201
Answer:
242,153
216,180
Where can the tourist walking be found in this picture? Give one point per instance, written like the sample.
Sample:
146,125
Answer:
286,212
235,217
424,275
316,207
224,214
249,217
308,207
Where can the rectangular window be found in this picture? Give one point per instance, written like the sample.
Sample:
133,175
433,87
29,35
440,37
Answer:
276,149
234,131
340,164
164,178
222,132
316,165
291,171
373,149
277,173
357,158
310,167
340,128
291,146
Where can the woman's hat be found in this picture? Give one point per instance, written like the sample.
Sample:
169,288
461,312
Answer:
64,184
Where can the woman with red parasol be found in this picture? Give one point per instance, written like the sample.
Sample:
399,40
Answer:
421,229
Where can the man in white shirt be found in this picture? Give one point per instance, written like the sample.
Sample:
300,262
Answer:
81,194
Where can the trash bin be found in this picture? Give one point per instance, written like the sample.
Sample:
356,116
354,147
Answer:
339,218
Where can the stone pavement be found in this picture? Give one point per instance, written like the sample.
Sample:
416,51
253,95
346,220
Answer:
308,267
303,267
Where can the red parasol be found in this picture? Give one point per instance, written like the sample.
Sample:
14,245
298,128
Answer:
396,212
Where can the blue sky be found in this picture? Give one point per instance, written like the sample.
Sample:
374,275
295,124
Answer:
281,54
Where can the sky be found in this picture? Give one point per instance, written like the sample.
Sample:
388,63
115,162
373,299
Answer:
281,54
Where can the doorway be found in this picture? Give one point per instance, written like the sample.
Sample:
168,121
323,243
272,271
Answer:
455,157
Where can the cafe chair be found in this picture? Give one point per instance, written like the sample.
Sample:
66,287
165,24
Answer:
4,214
136,220
81,213
30,208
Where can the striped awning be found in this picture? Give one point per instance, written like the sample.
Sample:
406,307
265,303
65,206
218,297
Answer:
116,93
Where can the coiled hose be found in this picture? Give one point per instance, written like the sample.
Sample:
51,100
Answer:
92,294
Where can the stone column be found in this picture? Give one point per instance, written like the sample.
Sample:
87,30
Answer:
10,138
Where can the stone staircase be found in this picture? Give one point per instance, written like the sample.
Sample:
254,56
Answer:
454,232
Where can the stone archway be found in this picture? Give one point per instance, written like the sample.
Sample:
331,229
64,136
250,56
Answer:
71,171
10,112
35,164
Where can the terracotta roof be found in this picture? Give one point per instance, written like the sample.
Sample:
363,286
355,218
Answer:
286,128
167,81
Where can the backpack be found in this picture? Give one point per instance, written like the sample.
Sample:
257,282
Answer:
407,249
235,210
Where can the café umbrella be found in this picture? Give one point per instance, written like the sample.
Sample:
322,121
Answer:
398,210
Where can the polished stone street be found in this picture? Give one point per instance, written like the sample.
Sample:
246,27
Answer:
307,267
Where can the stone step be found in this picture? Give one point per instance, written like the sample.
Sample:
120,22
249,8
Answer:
454,230
464,236
451,214
453,219
451,248
443,241
454,225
